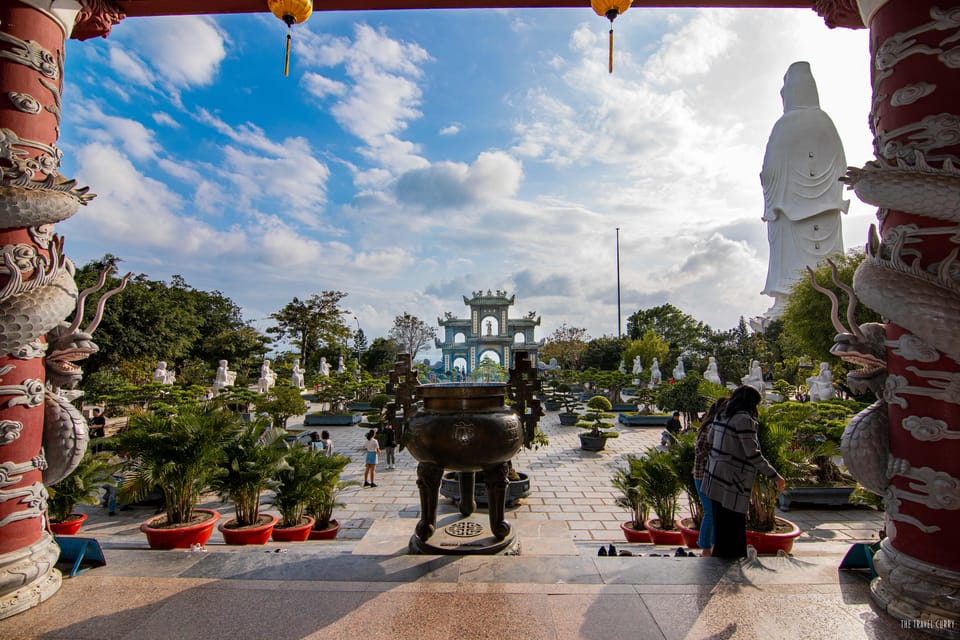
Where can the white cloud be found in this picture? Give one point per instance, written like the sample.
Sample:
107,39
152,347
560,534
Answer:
139,211
451,129
186,51
451,184
165,119
380,94
321,86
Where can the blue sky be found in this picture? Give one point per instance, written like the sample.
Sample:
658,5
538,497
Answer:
414,157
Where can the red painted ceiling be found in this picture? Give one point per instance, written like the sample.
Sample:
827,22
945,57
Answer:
186,7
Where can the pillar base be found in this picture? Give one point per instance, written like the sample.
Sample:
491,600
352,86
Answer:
921,595
28,576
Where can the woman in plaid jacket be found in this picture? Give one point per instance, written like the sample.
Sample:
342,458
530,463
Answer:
701,458
735,459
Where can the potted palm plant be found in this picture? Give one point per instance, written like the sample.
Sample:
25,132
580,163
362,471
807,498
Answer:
596,421
248,467
682,457
659,482
633,500
766,532
178,454
300,476
325,497
81,486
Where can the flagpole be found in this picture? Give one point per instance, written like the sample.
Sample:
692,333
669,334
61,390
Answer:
619,333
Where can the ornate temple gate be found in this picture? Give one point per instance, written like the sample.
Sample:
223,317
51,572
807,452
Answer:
911,276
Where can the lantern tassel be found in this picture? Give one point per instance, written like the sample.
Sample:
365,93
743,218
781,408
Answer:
286,59
611,48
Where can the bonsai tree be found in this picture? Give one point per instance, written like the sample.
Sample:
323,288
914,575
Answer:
178,454
596,418
816,429
299,477
379,403
248,466
632,497
323,498
81,486
280,403
336,391
659,482
682,456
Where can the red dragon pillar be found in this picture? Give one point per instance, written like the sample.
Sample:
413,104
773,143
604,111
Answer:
37,291
907,446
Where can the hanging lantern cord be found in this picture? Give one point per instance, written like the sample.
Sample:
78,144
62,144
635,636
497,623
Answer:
286,60
611,15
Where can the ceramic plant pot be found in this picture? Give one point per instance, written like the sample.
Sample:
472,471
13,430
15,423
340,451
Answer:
69,527
326,534
633,534
663,536
297,533
258,534
769,543
182,537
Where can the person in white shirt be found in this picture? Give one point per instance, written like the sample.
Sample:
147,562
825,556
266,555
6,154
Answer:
373,455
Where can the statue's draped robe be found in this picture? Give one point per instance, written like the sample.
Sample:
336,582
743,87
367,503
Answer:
802,195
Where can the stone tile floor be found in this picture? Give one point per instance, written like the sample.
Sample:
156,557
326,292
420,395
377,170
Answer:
364,585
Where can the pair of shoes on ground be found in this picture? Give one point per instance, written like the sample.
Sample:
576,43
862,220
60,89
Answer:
369,484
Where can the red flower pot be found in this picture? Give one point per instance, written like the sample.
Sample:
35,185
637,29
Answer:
632,534
663,536
257,534
690,535
69,527
769,543
326,534
181,537
297,533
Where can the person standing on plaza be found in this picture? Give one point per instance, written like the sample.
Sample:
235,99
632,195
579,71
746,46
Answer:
327,443
735,460
373,456
390,445
700,459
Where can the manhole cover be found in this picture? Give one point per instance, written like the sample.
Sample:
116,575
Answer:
464,529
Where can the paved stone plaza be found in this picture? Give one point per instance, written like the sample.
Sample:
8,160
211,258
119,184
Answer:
365,585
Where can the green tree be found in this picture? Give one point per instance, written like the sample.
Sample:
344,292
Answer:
648,346
411,333
603,353
151,320
380,358
567,345
312,323
807,328
280,403
682,332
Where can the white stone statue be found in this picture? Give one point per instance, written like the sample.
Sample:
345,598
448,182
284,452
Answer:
655,376
341,368
821,384
679,373
637,366
711,373
802,196
267,377
224,377
297,376
162,375
324,367
755,377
